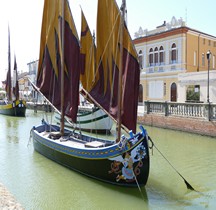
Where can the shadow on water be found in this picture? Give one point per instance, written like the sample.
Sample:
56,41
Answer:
176,197
136,192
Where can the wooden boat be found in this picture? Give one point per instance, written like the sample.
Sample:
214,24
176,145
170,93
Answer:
14,108
90,119
121,161
8,106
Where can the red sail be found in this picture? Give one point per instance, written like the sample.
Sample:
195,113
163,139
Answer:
49,69
105,89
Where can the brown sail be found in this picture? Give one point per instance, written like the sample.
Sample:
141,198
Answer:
49,70
105,84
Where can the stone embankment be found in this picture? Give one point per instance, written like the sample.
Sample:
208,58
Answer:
191,125
7,201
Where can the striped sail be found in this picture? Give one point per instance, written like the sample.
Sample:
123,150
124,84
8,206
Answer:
49,69
105,87
88,51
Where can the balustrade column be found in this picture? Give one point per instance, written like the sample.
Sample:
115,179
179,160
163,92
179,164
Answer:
166,108
147,107
209,111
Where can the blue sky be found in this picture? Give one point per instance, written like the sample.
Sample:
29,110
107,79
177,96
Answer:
24,18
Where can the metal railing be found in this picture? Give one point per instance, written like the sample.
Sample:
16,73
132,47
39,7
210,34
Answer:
187,109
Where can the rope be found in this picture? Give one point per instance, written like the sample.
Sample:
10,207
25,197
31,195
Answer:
189,186
138,186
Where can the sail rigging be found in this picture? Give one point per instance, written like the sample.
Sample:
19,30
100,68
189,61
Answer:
49,69
105,87
88,50
101,82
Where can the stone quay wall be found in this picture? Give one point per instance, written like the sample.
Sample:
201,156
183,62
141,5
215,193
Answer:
191,125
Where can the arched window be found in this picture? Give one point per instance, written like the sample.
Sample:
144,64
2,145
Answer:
173,92
151,57
161,55
140,59
173,53
156,56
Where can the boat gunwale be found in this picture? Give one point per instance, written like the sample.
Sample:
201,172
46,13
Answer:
114,148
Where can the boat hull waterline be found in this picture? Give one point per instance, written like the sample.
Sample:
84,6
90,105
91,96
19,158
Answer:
125,163
17,108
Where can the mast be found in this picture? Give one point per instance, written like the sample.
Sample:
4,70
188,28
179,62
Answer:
120,70
8,87
62,70
15,80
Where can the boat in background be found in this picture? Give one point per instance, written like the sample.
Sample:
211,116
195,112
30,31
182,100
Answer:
113,86
90,119
8,106
15,108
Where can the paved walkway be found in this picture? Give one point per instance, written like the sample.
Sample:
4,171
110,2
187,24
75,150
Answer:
7,201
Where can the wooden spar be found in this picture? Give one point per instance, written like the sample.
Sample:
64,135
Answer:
62,70
86,95
120,72
37,89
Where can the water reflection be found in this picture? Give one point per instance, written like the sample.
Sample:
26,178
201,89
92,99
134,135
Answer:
10,127
12,139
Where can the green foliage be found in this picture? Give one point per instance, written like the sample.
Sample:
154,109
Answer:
193,96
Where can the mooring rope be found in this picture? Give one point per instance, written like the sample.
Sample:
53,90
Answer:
138,186
189,186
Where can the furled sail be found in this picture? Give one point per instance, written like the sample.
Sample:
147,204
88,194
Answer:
8,78
105,88
16,84
49,68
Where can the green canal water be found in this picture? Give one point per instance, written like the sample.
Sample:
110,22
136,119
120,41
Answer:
40,184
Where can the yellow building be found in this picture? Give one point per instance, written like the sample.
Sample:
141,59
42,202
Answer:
174,65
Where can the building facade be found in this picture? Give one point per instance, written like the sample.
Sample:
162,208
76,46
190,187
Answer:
32,72
173,63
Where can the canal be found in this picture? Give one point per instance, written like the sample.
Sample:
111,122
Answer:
40,184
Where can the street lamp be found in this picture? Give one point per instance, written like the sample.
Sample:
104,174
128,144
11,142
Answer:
208,55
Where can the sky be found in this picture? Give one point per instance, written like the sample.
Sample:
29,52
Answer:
24,17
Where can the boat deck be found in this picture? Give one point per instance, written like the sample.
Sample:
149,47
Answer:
72,142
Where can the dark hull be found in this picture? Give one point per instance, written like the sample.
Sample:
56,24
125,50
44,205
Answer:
16,108
109,164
